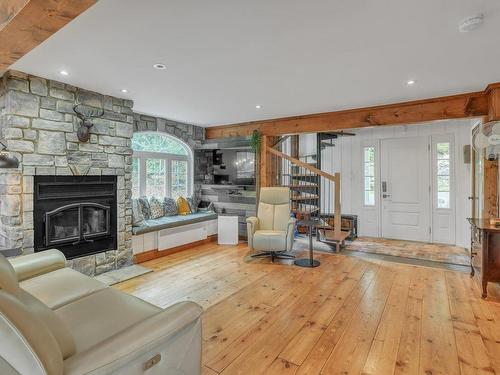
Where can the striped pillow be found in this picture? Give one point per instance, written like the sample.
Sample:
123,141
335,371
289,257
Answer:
144,206
169,206
193,203
137,216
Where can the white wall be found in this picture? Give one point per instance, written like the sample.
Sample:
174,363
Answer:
346,157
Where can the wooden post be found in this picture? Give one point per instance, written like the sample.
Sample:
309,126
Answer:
265,167
338,219
268,167
294,139
490,173
490,189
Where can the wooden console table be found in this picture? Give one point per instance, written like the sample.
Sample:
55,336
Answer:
485,253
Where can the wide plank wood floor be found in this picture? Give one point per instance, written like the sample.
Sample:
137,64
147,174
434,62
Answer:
348,316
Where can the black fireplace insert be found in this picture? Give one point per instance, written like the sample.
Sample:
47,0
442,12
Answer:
75,214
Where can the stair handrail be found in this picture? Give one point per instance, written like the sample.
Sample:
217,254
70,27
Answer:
335,178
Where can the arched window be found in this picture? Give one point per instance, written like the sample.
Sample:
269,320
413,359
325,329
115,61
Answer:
161,166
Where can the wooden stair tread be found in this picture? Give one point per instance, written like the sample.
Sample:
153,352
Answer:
304,212
305,186
331,235
305,198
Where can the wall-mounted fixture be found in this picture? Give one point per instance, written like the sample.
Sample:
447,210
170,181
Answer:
6,160
85,115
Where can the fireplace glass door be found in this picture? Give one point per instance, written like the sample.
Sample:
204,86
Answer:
63,225
76,223
95,220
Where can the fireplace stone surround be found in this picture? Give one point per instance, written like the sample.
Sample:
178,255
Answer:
39,126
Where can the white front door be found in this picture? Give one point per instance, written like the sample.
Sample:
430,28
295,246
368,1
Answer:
405,188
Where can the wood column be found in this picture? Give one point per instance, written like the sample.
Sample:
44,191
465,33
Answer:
268,163
490,177
294,139
264,161
490,189
338,212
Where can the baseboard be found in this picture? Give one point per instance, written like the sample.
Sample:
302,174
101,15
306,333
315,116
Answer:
153,254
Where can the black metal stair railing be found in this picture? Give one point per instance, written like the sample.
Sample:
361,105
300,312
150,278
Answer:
312,192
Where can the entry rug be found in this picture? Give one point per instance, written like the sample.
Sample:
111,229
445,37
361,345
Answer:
122,274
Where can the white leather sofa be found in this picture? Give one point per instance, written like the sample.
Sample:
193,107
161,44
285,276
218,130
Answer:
54,320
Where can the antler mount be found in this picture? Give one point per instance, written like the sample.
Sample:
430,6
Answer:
86,115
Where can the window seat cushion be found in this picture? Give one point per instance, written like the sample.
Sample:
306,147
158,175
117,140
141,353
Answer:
165,222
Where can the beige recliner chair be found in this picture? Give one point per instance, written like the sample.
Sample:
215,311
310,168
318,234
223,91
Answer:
272,231
54,321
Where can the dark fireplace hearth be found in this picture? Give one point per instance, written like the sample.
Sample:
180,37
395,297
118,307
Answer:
75,214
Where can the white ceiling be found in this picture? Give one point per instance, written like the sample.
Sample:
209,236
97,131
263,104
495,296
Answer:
292,57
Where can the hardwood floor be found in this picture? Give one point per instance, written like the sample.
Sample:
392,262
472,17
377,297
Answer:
348,316
411,249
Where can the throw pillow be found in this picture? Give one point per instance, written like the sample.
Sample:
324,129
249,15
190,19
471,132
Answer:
137,216
193,203
144,206
183,206
210,207
155,208
170,207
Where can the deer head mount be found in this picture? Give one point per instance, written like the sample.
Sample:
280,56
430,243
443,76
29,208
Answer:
86,114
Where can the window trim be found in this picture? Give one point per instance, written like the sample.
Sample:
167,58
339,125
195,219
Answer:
142,156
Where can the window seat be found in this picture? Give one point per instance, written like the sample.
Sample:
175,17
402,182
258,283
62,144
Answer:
165,222
168,234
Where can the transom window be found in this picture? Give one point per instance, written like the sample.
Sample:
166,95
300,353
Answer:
161,166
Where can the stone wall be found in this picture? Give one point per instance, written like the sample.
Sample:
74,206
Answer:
39,126
192,135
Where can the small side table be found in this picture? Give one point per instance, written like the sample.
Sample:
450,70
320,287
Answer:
309,262
227,230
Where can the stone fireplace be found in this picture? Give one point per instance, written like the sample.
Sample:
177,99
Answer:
39,126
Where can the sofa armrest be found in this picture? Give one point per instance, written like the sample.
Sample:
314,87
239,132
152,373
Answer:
290,233
31,265
172,338
252,225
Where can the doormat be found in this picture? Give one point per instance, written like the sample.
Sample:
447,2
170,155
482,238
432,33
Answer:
122,274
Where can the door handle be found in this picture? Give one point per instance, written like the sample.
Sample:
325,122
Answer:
384,186
386,195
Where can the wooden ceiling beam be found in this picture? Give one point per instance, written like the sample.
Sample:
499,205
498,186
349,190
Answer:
493,91
27,23
474,104
9,9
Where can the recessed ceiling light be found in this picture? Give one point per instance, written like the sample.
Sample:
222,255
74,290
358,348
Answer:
471,23
124,90
258,106
159,66
410,82
64,73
